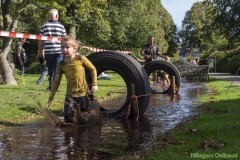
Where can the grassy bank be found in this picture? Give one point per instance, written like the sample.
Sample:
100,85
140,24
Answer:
18,106
214,134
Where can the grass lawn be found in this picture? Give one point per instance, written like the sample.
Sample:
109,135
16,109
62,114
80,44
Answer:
18,106
214,134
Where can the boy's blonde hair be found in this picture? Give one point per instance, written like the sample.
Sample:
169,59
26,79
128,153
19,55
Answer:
71,41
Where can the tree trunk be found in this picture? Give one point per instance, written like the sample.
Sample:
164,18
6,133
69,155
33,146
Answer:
72,30
6,70
9,24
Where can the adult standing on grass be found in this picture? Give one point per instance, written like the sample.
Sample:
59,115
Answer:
52,48
42,61
20,57
73,66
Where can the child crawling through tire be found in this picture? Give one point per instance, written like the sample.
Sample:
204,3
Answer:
79,107
164,77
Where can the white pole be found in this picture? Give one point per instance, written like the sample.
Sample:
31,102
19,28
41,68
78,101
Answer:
215,63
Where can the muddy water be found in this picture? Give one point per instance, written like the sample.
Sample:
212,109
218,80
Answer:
112,139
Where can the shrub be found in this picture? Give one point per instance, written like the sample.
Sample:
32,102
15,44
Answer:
35,68
234,64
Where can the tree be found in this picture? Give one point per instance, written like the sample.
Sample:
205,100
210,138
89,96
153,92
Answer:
228,18
107,24
10,15
170,31
192,25
80,10
197,26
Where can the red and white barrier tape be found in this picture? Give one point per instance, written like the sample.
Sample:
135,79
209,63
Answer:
28,36
99,50
49,38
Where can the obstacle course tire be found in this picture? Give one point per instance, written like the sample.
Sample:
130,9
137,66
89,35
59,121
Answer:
130,70
167,67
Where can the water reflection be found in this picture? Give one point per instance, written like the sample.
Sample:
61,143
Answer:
110,140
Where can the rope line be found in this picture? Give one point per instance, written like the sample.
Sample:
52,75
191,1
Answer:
217,51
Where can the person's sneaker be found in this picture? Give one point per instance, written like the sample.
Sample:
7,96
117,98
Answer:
38,83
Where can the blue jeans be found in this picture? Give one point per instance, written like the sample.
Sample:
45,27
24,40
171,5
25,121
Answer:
21,69
43,75
52,61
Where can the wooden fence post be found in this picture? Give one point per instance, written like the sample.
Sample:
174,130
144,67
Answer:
173,85
134,111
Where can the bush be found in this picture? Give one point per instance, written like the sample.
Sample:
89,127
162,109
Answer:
35,68
234,64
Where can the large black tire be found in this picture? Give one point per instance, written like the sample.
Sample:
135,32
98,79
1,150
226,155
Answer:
130,70
167,67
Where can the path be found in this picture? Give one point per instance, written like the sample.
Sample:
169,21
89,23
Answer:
227,77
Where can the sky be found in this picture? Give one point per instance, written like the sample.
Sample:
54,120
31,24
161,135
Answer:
178,8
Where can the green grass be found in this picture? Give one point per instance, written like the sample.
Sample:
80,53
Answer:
215,130
18,106
107,87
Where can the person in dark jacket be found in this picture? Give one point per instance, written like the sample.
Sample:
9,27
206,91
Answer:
20,57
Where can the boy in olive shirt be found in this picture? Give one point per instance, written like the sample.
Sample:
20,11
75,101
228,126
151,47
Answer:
73,66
